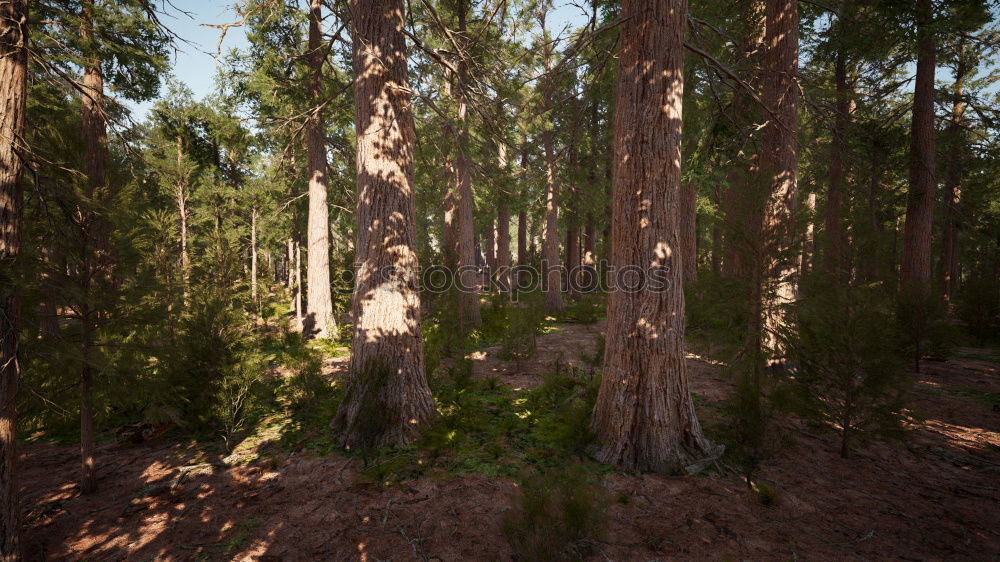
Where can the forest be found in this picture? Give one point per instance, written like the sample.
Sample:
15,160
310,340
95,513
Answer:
528,280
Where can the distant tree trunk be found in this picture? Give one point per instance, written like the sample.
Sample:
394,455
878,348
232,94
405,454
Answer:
253,254
836,235
451,249
387,399
503,228
489,246
320,321
917,231
550,265
572,256
644,417
716,236
182,198
13,99
522,242
688,216
96,259
807,257
953,180
467,255
741,205
290,262
779,166
299,321
588,277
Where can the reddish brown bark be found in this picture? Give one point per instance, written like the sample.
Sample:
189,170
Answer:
779,167
915,272
467,255
13,98
387,398
644,417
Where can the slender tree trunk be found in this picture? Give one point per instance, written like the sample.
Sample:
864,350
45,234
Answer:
299,320
387,399
953,181
97,265
644,417
253,254
489,246
779,164
917,232
688,215
835,261
13,99
807,255
320,321
467,256
742,202
290,262
182,197
503,228
716,236
522,243
572,257
588,278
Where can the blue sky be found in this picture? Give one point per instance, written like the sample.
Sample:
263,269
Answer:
194,64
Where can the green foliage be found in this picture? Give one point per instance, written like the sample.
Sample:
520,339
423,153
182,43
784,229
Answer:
844,362
585,310
750,434
717,310
524,325
558,515
979,308
923,325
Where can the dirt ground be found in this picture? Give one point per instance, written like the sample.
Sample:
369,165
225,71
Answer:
936,496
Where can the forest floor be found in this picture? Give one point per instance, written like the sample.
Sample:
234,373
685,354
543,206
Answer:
934,495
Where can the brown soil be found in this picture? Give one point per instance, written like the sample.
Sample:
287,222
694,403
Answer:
937,496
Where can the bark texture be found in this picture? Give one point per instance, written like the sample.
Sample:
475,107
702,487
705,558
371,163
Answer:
467,254
387,397
918,228
644,417
319,321
13,97
779,166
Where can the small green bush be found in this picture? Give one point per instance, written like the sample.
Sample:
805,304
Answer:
558,515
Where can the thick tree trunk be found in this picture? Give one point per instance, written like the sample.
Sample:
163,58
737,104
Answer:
644,417
319,321
953,182
779,166
387,398
917,231
688,216
13,98
835,261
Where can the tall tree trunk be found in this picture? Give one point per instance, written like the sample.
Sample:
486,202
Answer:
96,260
299,320
387,399
320,321
953,180
588,276
253,254
182,197
572,257
716,235
550,267
775,285
644,417
917,231
13,98
503,227
835,261
741,205
489,246
807,254
467,255
688,216
522,245
550,261
290,262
